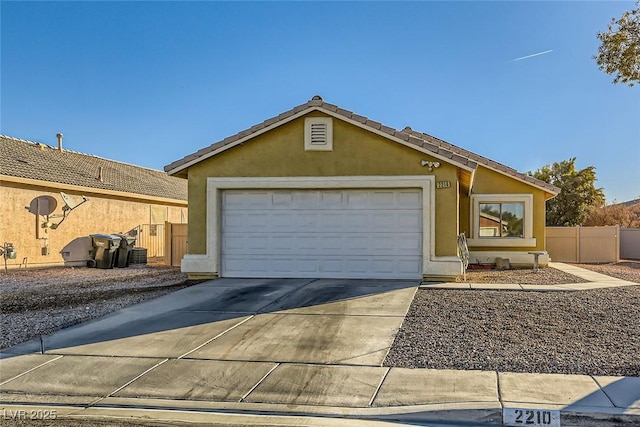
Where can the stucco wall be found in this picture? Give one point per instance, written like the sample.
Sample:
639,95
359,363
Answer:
356,152
491,182
99,215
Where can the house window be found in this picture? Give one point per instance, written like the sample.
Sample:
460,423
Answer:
502,220
318,134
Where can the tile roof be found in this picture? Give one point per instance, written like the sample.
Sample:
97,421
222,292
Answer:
28,159
426,142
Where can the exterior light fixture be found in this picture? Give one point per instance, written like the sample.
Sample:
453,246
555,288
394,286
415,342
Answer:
430,165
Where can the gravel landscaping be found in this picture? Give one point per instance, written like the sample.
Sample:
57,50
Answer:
588,332
544,276
594,332
626,270
40,301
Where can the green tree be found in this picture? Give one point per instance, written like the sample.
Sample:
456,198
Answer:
578,193
619,51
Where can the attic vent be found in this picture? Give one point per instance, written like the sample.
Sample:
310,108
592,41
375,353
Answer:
318,134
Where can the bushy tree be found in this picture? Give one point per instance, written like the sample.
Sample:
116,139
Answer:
619,51
618,214
578,192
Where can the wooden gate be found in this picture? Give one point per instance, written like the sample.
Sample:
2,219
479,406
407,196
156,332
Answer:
175,243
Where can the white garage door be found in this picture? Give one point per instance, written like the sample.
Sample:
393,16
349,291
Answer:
322,233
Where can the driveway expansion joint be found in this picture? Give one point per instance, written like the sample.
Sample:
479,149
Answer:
377,390
259,382
30,370
215,337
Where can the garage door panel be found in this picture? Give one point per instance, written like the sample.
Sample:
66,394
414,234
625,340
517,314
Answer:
266,266
246,199
332,200
321,221
331,221
322,233
408,198
323,244
408,267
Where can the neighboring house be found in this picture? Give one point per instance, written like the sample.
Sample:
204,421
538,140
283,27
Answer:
319,191
119,197
630,202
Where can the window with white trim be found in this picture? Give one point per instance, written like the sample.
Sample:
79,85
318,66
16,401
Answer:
502,220
318,134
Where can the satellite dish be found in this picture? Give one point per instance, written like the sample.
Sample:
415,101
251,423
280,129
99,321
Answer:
43,205
72,202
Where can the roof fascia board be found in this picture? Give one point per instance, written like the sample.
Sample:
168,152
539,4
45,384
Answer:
241,140
471,181
92,190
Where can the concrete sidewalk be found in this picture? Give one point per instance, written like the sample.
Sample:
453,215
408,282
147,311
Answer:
592,280
94,386
288,353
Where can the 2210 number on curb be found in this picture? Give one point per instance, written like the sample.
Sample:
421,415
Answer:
514,417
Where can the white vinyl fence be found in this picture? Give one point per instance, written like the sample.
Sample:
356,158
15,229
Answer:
593,244
630,243
584,244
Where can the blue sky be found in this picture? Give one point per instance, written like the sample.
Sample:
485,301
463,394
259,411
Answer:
151,82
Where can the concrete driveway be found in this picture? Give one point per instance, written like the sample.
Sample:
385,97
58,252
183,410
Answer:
234,340
246,351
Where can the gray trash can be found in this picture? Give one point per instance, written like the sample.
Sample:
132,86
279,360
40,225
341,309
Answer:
123,254
104,249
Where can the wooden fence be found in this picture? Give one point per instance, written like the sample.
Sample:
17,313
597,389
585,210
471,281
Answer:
151,237
175,239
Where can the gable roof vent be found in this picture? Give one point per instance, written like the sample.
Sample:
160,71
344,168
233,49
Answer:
318,134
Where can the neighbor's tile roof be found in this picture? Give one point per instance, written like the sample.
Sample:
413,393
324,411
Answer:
427,142
27,159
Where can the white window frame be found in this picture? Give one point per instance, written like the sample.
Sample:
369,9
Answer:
326,121
476,240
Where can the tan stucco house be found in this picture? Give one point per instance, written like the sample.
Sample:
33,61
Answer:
319,191
35,180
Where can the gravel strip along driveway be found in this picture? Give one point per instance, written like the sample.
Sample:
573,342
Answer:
588,332
594,332
40,301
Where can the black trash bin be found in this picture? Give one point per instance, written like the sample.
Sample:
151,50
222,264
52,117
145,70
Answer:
104,249
123,254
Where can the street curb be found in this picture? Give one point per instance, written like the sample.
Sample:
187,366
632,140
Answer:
197,412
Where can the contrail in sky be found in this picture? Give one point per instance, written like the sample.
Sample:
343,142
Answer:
531,56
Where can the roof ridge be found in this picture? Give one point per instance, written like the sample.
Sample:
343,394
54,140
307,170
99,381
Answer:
424,140
66,150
